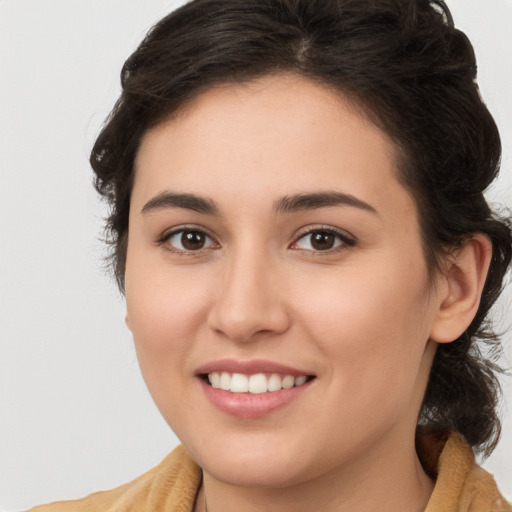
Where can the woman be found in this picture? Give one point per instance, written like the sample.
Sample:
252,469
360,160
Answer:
308,260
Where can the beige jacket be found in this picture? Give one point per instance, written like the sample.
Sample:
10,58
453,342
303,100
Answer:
461,485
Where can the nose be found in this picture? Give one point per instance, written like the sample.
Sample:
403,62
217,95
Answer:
249,300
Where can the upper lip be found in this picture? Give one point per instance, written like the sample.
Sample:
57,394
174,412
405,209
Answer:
249,367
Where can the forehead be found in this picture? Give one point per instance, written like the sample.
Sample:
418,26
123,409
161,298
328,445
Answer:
279,134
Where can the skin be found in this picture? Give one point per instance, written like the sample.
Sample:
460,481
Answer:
361,317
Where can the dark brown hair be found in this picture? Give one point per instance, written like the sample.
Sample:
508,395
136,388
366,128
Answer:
410,70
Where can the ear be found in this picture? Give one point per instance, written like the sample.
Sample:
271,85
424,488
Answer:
127,321
460,288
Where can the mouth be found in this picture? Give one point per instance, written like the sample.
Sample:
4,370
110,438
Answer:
254,384
253,389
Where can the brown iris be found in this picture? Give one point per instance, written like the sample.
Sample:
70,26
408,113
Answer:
193,240
322,240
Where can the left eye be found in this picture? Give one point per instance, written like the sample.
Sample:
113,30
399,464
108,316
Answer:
187,240
321,240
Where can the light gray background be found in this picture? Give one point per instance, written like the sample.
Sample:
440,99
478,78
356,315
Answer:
75,415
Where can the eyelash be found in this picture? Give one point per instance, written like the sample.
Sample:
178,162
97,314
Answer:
342,237
165,240
343,240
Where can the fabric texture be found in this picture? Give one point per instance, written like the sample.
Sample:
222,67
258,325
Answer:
461,485
169,487
172,486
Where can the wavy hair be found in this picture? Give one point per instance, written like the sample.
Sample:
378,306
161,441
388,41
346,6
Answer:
411,72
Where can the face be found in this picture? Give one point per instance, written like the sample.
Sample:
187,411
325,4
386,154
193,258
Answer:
275,282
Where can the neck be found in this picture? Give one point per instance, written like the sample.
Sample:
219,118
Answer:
384,482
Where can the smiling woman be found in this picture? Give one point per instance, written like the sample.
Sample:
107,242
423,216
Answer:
310,280
299,227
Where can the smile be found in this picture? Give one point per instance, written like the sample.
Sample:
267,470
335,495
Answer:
253,389
255,384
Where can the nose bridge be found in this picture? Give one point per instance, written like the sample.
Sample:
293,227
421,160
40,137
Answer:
248,300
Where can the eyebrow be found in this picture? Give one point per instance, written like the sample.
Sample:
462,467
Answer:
192,202
287,204
299,202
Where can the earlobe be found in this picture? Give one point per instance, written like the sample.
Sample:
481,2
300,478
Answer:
127,321
464,279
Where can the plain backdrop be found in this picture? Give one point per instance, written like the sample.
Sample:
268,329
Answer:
75,416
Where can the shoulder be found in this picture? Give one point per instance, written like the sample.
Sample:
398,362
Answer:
170,486
461,485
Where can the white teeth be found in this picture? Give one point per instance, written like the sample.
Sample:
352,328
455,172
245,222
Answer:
239,383
225,381
274,383
288,382
254,384
214,379
300,380
258,384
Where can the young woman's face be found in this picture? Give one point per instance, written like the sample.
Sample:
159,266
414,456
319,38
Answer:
271,245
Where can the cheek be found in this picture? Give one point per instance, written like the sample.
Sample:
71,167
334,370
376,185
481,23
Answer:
166,303
363,303
372,329
165,312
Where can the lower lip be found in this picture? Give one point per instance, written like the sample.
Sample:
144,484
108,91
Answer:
246,405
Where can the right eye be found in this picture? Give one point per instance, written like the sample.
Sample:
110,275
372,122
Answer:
188,240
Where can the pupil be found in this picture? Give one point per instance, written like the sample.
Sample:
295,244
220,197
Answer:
192,240
322,241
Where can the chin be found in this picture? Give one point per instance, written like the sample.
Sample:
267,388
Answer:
270,473
250,462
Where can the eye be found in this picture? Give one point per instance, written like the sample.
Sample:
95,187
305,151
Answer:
188,240
322,240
